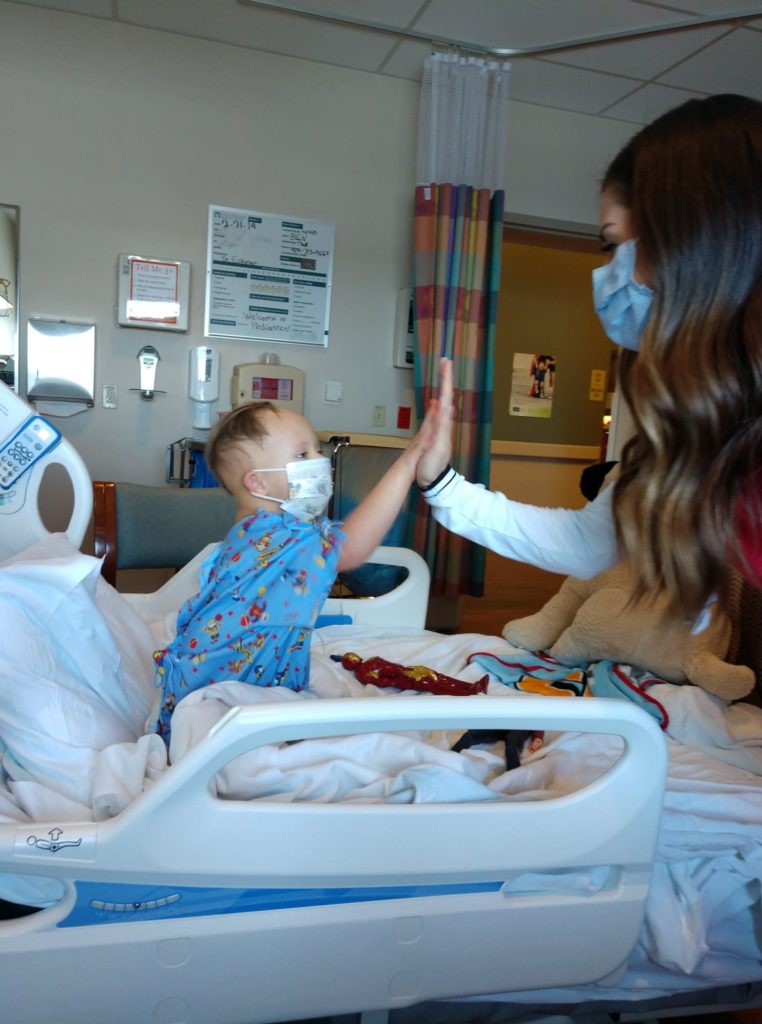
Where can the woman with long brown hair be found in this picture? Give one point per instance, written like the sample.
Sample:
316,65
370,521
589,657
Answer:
681,217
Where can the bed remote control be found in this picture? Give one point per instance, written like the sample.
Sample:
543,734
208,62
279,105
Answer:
31,441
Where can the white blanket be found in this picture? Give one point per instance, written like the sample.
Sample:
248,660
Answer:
709,862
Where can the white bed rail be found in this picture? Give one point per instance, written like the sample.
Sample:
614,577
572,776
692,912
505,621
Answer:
174,832
465,910
21,522
406,605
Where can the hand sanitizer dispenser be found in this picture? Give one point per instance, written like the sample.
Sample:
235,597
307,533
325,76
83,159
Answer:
204,384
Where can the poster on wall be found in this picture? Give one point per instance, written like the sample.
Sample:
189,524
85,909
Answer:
268,277
533,380
152,292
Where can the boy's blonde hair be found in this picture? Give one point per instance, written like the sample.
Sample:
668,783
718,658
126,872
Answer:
230,436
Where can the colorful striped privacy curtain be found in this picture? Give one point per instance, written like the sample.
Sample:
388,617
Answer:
456,275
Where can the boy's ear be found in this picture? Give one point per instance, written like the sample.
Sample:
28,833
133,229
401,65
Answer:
253,482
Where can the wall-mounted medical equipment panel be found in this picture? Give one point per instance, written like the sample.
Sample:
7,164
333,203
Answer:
60,363
268,277
271,382
153,293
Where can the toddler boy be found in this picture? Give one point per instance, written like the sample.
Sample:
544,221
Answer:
262,588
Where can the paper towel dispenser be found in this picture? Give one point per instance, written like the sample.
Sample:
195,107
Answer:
60,366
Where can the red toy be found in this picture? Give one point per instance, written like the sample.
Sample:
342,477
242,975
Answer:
381,672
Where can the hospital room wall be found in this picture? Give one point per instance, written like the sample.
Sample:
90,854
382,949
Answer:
116,139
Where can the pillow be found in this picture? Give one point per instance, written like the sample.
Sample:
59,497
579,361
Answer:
75,667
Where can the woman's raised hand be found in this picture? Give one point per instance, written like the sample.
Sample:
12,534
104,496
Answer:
436,455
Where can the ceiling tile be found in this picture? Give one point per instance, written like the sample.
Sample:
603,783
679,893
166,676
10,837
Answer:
520,24
644,57
732,64
385,12
553,85
261,29
709,7
96,8
406,61
594,79
648,102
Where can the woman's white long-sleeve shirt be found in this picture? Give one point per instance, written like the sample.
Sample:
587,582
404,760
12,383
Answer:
575,542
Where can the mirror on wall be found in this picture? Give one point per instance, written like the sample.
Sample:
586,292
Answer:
9,294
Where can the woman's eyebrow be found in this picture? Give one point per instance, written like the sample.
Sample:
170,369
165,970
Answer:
608,224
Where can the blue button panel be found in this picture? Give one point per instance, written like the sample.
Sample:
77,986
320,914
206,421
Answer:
107,903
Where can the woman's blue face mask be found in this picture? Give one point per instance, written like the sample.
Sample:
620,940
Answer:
622,304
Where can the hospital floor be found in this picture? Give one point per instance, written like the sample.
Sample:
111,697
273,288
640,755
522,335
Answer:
511,591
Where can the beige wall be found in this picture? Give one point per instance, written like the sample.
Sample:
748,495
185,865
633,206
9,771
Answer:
546,306
549,482
116,140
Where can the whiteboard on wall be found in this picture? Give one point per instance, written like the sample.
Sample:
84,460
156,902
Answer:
268,277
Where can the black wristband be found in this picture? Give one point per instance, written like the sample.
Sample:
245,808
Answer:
438,480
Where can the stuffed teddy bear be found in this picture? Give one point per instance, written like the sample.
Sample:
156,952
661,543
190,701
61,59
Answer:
589,620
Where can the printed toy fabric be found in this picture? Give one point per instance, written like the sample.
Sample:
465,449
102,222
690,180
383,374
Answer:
540,674
252,620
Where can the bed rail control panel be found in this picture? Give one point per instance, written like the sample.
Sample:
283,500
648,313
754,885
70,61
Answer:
18,453
136,906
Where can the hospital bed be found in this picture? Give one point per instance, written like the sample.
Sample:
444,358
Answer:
200,904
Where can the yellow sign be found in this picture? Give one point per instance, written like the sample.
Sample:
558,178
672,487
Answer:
597,385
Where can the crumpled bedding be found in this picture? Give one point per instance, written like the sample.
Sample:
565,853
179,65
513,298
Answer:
72,749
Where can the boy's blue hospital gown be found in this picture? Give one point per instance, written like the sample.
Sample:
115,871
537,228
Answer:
261,592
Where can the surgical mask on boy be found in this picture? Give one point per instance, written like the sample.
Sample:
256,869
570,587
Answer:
622,304
310,486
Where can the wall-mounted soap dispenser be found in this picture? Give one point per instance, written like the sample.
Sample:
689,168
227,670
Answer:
148,361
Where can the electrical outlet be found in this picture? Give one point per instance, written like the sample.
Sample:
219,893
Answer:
110,395
379,415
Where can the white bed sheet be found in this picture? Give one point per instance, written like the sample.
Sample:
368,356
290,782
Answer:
700,928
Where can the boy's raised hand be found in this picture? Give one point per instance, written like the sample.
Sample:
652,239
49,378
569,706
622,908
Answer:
438,424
